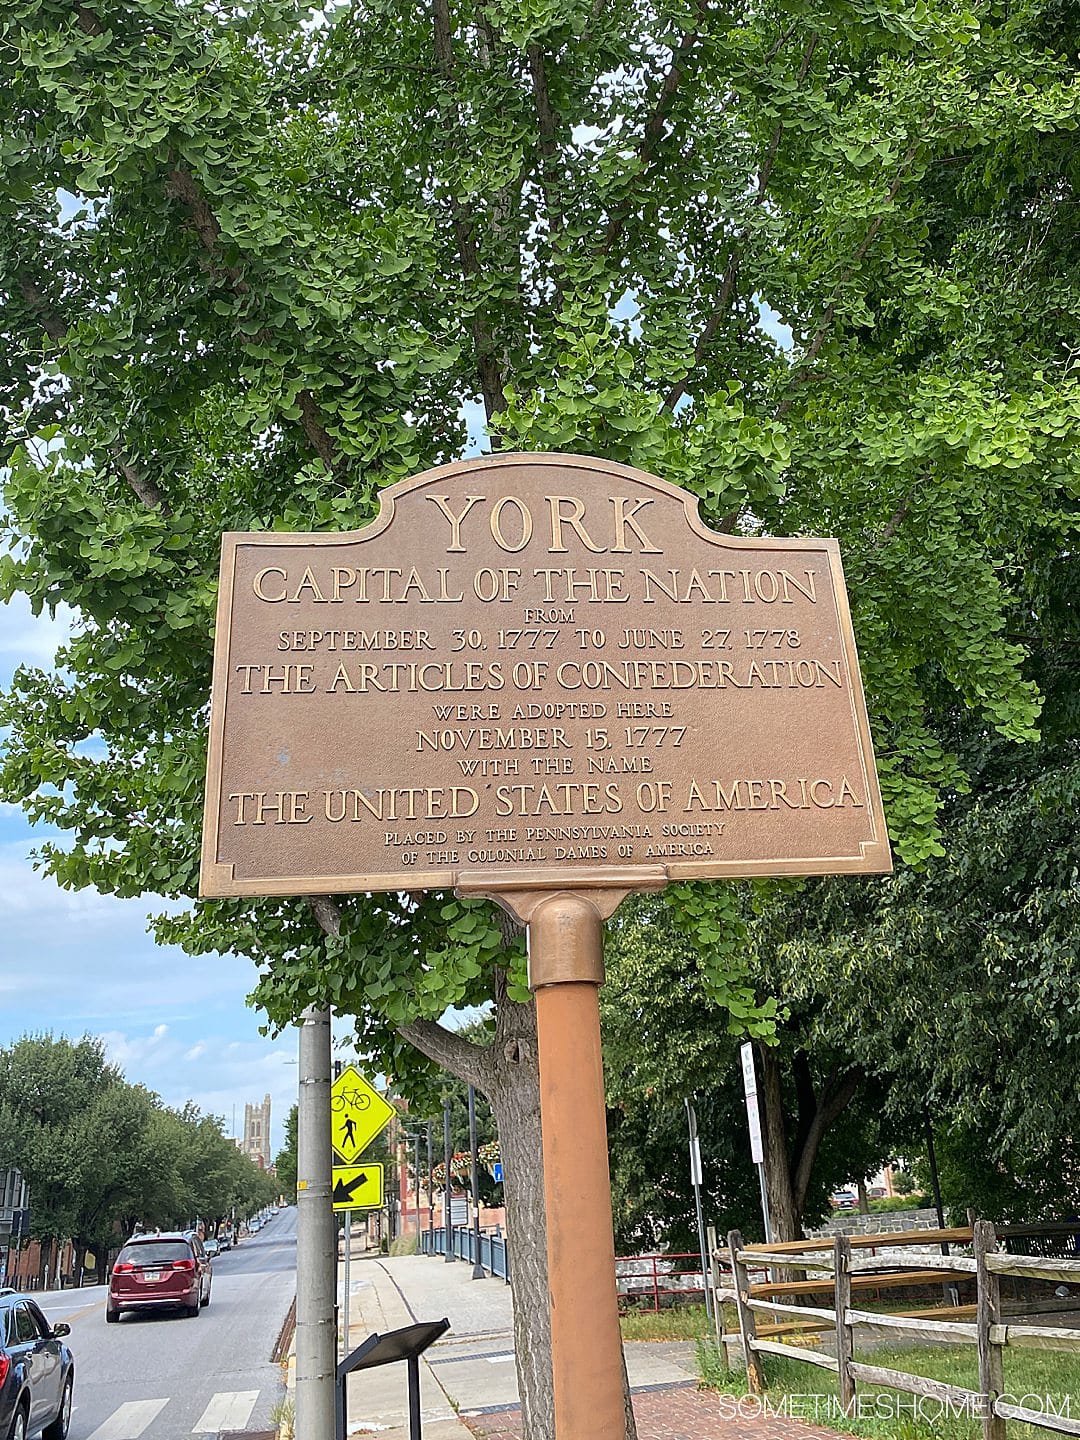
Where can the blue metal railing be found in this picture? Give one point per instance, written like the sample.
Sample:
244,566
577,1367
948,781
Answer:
494,1256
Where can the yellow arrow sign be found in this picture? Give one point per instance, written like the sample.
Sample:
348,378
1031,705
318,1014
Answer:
357,1113
358,1187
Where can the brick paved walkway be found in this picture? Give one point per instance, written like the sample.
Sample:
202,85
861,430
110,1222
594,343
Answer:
678,1414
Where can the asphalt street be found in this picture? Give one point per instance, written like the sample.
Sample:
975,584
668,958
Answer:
163,1377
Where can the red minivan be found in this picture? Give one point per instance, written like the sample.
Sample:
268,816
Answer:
159,1271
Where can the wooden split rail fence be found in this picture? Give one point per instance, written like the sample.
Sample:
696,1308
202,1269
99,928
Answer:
835,1268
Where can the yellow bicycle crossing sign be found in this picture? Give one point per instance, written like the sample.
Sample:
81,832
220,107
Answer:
357,1113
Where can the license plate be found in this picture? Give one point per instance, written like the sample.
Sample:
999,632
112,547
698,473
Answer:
151,1275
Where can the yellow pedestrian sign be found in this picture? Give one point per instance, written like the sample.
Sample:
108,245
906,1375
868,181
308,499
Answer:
358,1187
357,1114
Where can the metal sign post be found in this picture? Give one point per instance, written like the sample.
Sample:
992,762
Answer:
430,1186
695,1181
448,1213
566,970
357,1114
753,1118
478,1272
347,1285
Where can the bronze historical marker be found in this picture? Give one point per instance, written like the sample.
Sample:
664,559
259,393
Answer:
540,678
538,668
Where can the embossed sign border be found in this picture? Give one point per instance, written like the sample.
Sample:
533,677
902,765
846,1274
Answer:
217,877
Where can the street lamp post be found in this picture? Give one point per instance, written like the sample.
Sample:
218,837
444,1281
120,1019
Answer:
477,1269
416,1185
448,1228
430,1188
415,1137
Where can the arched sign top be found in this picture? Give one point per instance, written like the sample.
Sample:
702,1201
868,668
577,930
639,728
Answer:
534,671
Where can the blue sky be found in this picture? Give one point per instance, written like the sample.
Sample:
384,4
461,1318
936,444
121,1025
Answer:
79,962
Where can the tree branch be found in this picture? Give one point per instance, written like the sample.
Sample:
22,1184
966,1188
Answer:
654,125
54,324
821,335
488,369
779,43
840,1098
547,127
183,186
806,1101
56,327
727,287
142,486
896,519
452,1051
327,914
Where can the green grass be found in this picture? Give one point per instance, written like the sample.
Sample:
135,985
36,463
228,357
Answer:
1027,1373
680,1322
283,1416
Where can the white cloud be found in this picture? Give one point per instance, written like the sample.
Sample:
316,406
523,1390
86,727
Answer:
77,962
219,1074
32,638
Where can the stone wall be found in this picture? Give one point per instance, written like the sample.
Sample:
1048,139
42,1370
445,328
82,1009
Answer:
891,1222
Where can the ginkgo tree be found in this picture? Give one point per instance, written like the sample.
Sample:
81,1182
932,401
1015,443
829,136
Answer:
258,261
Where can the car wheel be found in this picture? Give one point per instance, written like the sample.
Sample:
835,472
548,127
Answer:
57,1429
112,1314
193,1311
18,1425
207,1300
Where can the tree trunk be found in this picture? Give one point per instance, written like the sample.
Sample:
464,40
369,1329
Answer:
788,1168
786,1219
506,1073
513,1088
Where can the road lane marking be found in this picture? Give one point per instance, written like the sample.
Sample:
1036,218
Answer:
129,1420
228,1410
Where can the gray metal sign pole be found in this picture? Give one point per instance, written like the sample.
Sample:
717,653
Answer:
430,1187
448,1223
478,1272
695,1180
753,1120
316,1251
346,1289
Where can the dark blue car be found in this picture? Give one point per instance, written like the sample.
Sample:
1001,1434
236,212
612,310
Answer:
37,1372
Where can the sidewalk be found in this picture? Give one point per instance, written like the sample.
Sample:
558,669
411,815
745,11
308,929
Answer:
378,1399
468,1382
684,1414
